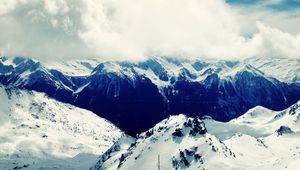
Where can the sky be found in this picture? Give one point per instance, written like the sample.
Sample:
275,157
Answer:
137,29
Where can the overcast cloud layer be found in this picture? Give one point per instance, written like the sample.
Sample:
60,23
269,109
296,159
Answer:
135,29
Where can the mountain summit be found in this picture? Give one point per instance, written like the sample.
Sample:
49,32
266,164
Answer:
136,95
261,139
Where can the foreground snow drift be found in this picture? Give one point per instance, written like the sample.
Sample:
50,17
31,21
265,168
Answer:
261,139
38,132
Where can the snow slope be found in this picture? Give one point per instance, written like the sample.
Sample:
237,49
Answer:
191,147
38,132
261,139
283,69
158,86
73,67
257,122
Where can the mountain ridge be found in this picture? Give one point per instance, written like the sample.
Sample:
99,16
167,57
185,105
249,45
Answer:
181,142
37,132
230,88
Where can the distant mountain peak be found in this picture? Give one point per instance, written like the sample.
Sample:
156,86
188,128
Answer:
161,86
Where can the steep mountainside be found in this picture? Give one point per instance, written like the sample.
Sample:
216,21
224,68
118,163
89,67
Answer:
137,95
261,139
284,69
40,133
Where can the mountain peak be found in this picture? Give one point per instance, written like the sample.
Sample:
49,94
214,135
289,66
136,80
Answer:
240,69
187,138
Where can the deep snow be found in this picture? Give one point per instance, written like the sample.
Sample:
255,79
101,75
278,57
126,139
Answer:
38,132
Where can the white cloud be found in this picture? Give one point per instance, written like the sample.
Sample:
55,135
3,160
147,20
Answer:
54,7
169,27
7,6
273,42
133,29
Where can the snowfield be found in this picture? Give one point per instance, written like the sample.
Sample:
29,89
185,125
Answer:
136,95
260,139
40,133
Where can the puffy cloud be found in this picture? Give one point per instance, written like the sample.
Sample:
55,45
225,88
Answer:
7,6
134,29
273,42
55,7
169,27
35,28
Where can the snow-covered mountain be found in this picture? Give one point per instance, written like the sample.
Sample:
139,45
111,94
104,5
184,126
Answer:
41,132
137,95
284,69
260,139
37,132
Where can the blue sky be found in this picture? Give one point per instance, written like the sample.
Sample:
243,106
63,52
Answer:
281,14
276,5
285,5
243,2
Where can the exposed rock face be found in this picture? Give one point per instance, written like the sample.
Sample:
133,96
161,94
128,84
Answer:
181,141
252,141
135,96
284,130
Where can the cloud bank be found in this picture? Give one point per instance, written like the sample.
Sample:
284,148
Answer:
135,29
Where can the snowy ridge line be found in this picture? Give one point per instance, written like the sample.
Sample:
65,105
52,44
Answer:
157,86
260,139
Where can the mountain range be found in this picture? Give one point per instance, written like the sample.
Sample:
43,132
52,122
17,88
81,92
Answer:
135,95
158,113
